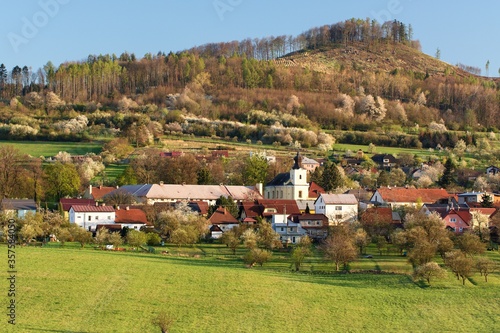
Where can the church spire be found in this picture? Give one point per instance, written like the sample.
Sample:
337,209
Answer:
296,166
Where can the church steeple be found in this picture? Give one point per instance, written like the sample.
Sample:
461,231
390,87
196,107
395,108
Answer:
296,166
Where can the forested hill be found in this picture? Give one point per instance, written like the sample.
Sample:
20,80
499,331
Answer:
351,74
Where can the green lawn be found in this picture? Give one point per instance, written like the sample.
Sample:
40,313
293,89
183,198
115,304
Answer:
73,290
47,149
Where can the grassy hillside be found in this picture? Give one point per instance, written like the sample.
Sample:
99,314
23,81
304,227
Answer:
73,290
47,149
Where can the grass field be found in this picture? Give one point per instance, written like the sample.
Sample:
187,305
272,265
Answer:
73,290
47,149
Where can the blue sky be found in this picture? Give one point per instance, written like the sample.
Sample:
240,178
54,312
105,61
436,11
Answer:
33,32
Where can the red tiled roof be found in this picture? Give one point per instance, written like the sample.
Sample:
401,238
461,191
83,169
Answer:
378,214
281,206
130,216
100,191
315,190
401,194
92,209
67,203
222,216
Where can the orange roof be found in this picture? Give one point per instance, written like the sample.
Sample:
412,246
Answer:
92,209
315,190
377,214
222,216
99,191
401,194
130,216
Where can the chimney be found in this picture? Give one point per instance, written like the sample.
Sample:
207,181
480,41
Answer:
127,208
260,188
117,207
96,204
90,189
103,204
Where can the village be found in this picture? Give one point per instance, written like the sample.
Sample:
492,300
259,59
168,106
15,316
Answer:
293,206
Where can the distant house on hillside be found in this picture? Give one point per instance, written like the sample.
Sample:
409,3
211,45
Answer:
385,161
18,207
97,192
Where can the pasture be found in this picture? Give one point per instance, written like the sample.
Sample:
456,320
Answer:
206,289
48,148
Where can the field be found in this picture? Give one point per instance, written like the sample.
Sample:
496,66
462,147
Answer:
72,290
47,149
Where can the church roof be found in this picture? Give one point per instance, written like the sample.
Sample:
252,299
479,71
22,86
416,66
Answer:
280,180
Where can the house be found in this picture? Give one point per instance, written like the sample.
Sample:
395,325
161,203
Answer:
339,208
309,164
290,232
132,218
153,193
223,220
385,161
18,207
315,225
291,185
456,218
402,196
88,217
266,209
97,192
492,170
65,204
471,198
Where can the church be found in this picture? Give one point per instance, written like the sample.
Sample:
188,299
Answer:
291,185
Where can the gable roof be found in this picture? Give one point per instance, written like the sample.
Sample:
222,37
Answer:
191,192
131,216
18,204
222,216
315,190
379,158
281,206
92,209
379,214
402,194
98,192
340,199
280,180
67,203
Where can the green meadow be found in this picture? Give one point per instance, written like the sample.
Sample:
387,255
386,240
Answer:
206,289
47,149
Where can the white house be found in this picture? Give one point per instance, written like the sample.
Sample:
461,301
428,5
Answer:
88,217
338,208
291,185
471,197
289,231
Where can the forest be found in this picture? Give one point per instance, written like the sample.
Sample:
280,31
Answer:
356,87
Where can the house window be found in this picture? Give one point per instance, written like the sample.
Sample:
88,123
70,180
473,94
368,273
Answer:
338,207
292,229
281,229
90,218
300,194
338,217
109,217
269,195
281,194
300,176
308,222
453,220
317,222
95,218
460,229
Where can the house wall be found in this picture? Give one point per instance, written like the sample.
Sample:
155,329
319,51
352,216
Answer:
456,222
89,220
337,213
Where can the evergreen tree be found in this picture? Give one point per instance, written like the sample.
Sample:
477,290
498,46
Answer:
332,178
448,177
486,201
227,203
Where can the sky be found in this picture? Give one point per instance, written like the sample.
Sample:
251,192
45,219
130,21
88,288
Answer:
33,32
